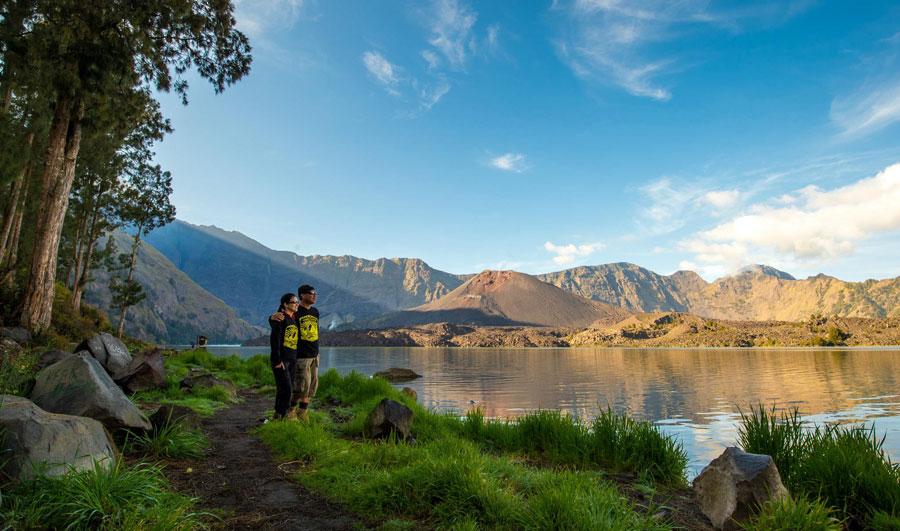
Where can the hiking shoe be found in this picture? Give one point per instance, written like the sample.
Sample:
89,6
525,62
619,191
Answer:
291,414
303,415
276,416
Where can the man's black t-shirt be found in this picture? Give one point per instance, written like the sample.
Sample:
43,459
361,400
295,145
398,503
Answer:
308,322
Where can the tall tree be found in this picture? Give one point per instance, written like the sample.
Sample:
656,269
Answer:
106,48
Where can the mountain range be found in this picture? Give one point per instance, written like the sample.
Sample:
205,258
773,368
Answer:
237,278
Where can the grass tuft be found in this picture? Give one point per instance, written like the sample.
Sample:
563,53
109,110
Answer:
796,514
170,440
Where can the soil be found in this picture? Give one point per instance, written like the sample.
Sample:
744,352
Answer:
239,476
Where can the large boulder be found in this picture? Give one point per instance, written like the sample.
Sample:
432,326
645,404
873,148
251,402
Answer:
733,486
35,436
146,371
48,358
190,383
19,335
389,417
79,385
175,414
396,375
108,350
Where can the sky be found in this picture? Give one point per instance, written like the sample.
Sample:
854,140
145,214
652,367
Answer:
544,135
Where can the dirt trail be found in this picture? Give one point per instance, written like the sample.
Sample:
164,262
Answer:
240,476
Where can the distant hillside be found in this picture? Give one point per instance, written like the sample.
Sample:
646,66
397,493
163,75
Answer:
251,278
756,293
506,298
176,309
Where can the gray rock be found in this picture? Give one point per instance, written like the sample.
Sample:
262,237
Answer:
396,374
79,385
387,417
175,414
146,371
9,348
34,436
48,358
117,355
409,391
733,486
17,334
207,380
94,345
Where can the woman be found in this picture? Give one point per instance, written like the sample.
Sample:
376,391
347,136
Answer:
283,356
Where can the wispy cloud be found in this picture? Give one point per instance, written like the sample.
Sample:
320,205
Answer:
568,254
721,198
257,18
611,41
385,72
819,225
868,110
451,28
667,203
514,162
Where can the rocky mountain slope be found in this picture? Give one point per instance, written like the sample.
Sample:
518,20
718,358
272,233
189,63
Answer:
756,293
251,278
498,298
176,309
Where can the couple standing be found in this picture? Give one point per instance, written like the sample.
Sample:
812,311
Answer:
295,353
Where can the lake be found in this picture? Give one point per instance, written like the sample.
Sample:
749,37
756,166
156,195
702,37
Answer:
692,394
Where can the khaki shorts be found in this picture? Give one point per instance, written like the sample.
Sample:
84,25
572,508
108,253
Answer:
307,380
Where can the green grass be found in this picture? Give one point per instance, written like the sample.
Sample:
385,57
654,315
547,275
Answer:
16,371
845,467
795,514
119,497
171,440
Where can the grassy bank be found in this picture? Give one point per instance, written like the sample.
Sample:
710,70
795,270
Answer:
544,471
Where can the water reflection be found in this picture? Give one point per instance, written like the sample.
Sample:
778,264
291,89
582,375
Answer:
692,394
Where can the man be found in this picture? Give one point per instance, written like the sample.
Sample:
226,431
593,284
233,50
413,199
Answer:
307,379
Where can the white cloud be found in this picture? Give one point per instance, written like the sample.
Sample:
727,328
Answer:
610,41
721,198
514,162
431,58
430,96
567,254
868,110
258,17
668,203
383,70
819,225
451,27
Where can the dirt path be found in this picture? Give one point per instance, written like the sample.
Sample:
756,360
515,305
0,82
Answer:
240,476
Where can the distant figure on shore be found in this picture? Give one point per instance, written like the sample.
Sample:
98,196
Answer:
283,356
306,381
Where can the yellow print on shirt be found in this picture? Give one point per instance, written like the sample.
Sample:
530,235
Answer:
290,337
309,328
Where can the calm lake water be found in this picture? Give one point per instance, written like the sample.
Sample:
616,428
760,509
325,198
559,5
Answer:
693,394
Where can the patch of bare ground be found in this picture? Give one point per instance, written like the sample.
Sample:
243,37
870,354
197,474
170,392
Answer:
240,478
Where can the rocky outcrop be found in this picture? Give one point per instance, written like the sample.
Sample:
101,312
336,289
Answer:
733,486
146,371
80,386
389,417
17,334
110,351
63,442
397,375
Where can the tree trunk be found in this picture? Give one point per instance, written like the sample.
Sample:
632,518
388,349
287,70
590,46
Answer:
81,281
134,248
77,254
59,171
11,209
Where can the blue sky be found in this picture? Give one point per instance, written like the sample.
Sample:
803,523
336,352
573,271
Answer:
539,136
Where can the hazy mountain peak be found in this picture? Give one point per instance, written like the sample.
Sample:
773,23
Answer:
760,269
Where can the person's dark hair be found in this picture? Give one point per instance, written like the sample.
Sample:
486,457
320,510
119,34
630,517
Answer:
286,298
306,288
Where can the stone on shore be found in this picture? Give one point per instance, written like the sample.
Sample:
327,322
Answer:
733,486
17,334
175,414
63,442
389,417
396,374
146,371
207,380
110,351
410,392
79,385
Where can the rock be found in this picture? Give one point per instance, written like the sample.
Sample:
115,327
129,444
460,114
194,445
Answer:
35,436
389,416
733,486
117,353
78,385
395,375
207,380
175,414
9,348
146,371
48,358
108,350
409,391
17,334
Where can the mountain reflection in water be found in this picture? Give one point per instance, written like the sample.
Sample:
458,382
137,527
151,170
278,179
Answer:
692,394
